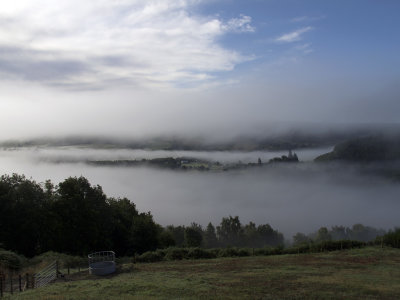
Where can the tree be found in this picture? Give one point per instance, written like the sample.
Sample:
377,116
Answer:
144,234
23,217
84,221
251,235
230,231
193,237
339,233
166,238
323,235
210,237
269,236
122,213
178,234
300,238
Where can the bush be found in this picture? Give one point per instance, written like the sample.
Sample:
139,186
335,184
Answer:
324,246
150,256
214,251
65,260
228,252
244,252
124,260
176,253
10,260
268,251
161,252
196,253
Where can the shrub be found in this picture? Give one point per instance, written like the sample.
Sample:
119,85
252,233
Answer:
214,251
65,260
228,252
10,260
176,253
150,256
244,252
124,260
268,251
161,252
196,253
324,246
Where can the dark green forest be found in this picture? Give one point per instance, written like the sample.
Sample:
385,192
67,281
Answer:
77,218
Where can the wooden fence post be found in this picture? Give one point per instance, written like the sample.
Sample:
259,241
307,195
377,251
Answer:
20,282
56,268
1,285
27,280
11,285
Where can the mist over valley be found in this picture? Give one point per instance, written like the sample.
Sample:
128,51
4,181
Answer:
165,130
292,197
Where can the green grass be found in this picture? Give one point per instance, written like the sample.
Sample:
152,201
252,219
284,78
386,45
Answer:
368,273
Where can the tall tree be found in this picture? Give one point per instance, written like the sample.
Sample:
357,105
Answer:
122,213
230,231
23,219
210,236
193,237
84,220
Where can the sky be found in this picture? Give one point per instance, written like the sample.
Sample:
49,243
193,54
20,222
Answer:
134,68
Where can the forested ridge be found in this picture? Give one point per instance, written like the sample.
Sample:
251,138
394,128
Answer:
371,148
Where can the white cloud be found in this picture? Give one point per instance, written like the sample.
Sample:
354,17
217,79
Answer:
242,24
74,43
293,36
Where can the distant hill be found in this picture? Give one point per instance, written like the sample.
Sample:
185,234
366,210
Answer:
376,148
285,140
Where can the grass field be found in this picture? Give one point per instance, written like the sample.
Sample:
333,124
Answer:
368,273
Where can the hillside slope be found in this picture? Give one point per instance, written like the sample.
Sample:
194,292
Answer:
372,273
365,149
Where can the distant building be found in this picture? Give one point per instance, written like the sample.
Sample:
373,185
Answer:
292,157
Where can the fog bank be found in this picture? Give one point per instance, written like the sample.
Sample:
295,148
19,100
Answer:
291,198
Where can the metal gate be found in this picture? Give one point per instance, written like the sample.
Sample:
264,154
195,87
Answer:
47,275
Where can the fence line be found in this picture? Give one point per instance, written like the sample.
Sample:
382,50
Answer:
11,284
47,275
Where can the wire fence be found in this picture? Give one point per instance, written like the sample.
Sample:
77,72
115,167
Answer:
14,283
47,275
11,283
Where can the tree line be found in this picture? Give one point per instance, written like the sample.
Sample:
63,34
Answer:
77,218
358,232
230,233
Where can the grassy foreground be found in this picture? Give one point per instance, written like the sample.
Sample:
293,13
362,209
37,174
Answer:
368,273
